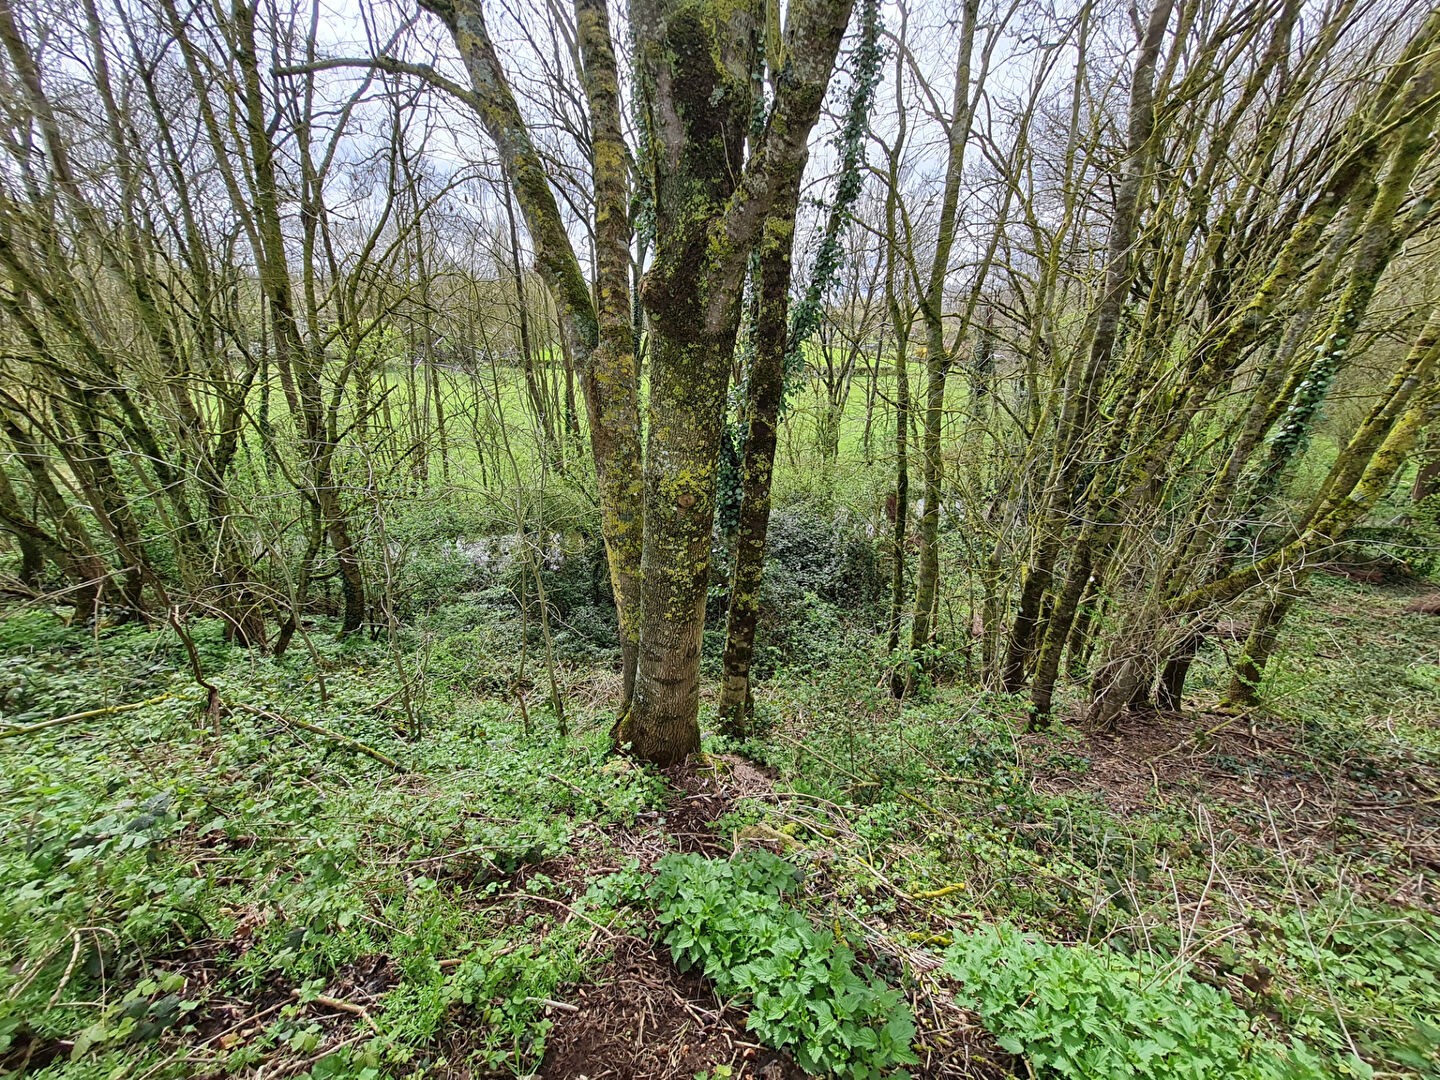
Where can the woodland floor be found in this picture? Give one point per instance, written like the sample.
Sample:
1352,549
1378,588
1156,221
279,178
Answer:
266,901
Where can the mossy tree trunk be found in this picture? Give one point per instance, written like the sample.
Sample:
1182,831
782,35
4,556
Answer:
1359,476
1091,362
301,362
1427,476
596,333
67,544
937,350
764,393
1370,232
780,335
35,543
696,61
611,379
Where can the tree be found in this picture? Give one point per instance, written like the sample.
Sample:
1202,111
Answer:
595,333
778,355
694,62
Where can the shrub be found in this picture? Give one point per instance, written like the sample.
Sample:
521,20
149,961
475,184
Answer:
1084,1013
830,555
730,919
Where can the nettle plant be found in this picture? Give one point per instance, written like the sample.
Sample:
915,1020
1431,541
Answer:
1084,1013
804,990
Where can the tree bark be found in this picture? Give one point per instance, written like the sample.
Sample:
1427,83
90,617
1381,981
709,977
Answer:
695,66
611,378
780,335
764,392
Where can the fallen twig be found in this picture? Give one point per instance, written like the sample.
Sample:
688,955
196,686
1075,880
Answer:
89,714
563,1006
341,1006
305,725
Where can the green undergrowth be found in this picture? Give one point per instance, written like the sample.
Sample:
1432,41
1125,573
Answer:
1088,1013
161,880
1360,673
180,896
803,989
183,895
1323,944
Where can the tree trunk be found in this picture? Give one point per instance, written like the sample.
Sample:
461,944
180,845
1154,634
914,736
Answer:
611,379
937,356
1260,645
1427,476
1090,364
711,205
780,335
694,64
597,333
687,401
34,542
764,392
533,389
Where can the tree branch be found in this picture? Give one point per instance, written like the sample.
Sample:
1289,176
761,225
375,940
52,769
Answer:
812,39
424,72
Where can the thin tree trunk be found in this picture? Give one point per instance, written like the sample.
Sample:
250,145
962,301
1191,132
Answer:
1089,366
780,335
937,358
533,388
598,336
764,391
611,379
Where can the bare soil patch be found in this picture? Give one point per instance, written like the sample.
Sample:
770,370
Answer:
643,1020
1428,604
1266,786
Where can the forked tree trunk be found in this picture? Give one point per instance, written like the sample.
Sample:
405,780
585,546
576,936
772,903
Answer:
695,62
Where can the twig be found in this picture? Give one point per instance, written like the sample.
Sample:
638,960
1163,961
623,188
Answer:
935,894
341,1006
566,907
305,725
573,787
69,970
89,714
563,1006
253,1018
323,1052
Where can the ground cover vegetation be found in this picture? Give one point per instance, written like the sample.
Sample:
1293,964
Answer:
699,539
